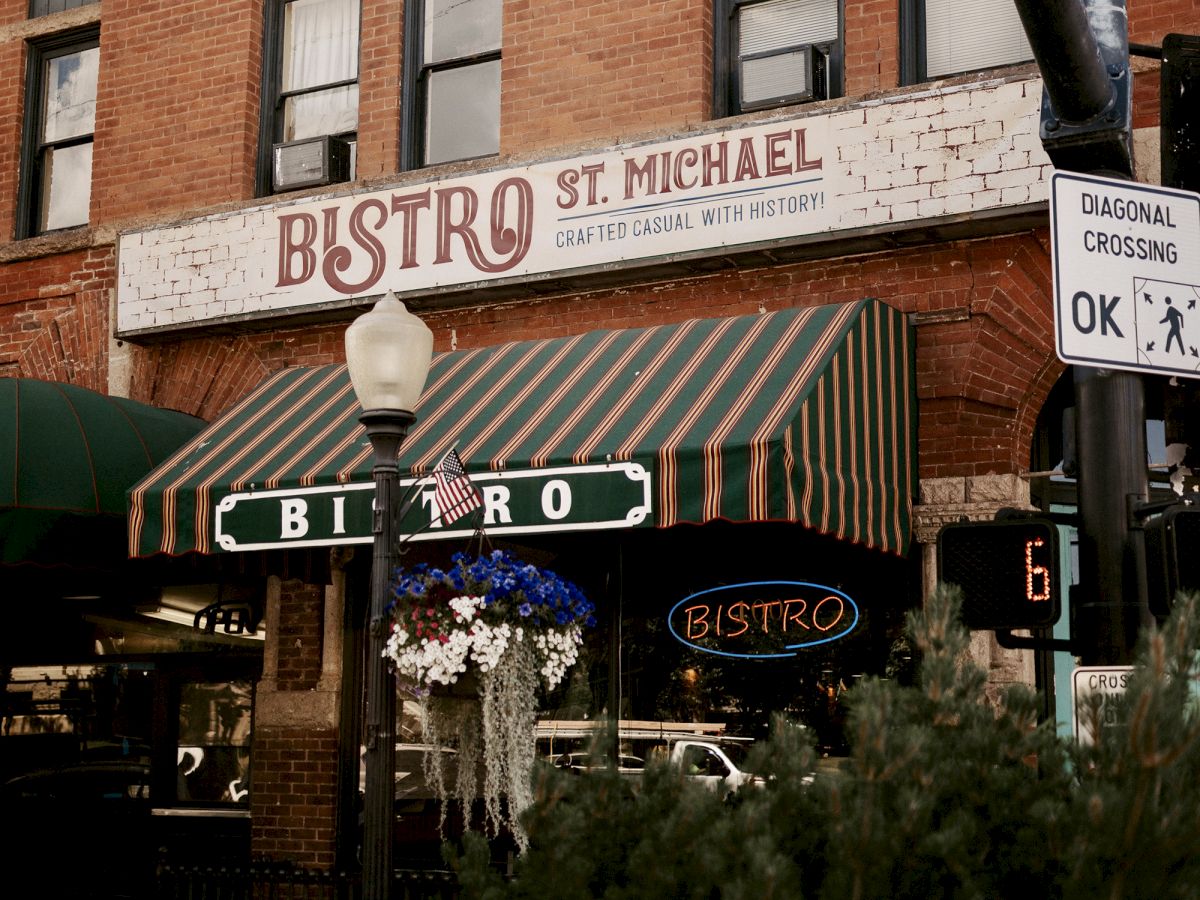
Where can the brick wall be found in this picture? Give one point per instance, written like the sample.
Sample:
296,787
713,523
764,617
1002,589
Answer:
872,50
177,107
292,806
54,321
301,609
380,58
575,70
295,765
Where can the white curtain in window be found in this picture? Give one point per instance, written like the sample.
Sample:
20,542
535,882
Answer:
965,35
320,46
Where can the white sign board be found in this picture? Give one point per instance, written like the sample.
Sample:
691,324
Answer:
1126,262
1108,682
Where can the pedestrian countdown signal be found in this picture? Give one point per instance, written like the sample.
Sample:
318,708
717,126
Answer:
1009,572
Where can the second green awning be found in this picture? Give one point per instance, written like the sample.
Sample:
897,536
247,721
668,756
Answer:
803,415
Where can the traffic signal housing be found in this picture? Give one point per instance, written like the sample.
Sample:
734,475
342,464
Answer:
1172,557
1008,570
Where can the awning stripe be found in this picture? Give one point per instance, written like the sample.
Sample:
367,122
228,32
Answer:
557,397
533,384
800,415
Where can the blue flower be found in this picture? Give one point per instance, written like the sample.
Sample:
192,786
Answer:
524,609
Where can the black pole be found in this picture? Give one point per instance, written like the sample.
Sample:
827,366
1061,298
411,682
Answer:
1082,49
1111,604
1068,54
386,428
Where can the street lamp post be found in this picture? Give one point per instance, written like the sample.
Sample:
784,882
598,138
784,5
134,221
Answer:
388,351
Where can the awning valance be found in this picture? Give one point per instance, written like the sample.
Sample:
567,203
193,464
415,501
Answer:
68,455
804,415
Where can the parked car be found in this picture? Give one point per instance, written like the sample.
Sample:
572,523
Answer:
78,831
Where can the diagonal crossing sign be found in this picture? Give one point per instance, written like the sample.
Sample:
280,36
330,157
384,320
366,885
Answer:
1126,274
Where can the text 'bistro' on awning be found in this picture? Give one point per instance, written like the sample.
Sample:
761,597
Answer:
804,415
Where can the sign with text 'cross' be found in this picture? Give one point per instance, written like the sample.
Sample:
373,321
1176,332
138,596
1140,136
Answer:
1126,274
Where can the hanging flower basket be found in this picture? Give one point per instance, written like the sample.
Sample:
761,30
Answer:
506,625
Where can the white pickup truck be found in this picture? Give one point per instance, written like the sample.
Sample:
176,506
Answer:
696,749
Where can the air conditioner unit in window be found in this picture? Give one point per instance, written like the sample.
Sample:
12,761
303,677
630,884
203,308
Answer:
781,77
309,163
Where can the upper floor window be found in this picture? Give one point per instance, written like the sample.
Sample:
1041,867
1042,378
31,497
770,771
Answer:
39,8
452,97
310,90
60,117
946,37
776,52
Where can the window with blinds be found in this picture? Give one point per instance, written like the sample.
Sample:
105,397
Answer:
965,35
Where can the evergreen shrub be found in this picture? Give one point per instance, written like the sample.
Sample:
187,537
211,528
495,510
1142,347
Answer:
944,795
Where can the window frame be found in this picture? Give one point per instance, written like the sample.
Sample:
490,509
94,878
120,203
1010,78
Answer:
274,98
40,8
726,72
415,94
29,194
913,53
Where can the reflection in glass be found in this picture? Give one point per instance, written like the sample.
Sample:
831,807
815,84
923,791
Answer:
458,28
66,186
463,112
71,95
213,754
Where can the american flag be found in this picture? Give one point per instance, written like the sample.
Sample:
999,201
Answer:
455,493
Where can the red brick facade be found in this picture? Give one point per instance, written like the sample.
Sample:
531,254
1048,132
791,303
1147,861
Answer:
176,136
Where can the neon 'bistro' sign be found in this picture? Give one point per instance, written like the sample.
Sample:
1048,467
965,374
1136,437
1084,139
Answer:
763,619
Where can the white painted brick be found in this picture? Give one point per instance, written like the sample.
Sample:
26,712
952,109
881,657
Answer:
898,127
905,177
989,131
956,101
956,137
877,215
905,212
1022,177
905,144
848,152
968,185
1026,140
930,140
910,194
936,156
983,165
1016,194
974,151
934,206
926,106
879,179
931,173
877,115
985,199
957,168
957,203
852,218
1014,159
856,134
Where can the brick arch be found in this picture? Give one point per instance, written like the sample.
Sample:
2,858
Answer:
64,347
203,376
986,375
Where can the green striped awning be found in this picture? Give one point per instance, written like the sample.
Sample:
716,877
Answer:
803,415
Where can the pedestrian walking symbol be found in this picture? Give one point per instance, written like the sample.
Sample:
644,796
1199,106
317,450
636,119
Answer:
1167,320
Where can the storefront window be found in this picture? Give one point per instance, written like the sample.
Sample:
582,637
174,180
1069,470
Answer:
703,634
214,743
